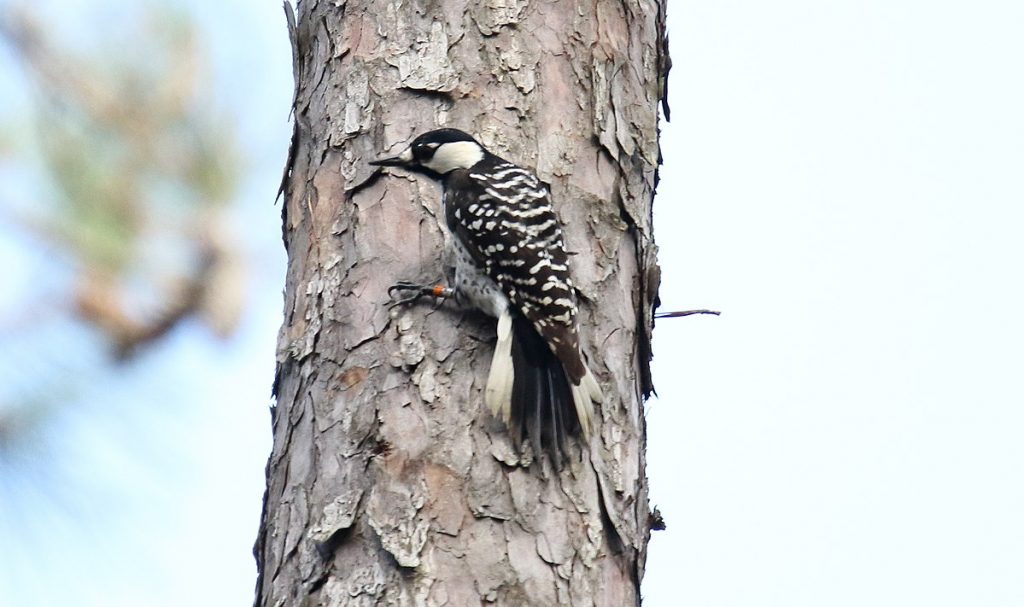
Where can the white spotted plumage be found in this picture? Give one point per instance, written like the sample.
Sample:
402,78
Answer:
511,263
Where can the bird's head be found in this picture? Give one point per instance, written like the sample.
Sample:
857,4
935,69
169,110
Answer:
438,152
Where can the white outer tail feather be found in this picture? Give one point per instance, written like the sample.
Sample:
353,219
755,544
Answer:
584,396
498,393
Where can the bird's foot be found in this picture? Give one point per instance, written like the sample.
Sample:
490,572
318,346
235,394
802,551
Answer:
411,292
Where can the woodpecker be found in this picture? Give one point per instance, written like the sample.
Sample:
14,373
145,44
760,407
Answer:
511,264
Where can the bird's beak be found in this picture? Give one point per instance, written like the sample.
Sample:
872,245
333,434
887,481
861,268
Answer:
403,159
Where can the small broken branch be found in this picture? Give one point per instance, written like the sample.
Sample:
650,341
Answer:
682,313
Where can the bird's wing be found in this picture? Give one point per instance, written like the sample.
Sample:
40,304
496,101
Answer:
505,220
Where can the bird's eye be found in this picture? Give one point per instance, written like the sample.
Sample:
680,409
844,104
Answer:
425,151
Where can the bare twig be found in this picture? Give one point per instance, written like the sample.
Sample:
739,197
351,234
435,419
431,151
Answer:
679,314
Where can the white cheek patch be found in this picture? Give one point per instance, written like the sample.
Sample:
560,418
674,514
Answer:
455,155
406,156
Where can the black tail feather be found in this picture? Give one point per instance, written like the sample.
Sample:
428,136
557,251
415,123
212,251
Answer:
542,403
557,433
522,396
540,408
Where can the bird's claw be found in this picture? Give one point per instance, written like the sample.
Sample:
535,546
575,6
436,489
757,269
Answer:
416,291
405,285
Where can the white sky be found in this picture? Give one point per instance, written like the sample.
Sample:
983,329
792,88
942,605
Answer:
844,181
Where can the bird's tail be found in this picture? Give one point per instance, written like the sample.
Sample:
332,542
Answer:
528,389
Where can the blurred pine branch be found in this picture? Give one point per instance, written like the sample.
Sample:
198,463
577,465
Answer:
125,172
142,168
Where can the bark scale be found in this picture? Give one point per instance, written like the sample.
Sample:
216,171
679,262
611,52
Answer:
389,483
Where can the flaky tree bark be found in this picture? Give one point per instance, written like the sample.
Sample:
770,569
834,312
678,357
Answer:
389,482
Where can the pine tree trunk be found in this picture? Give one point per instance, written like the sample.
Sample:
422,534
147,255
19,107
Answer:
389,482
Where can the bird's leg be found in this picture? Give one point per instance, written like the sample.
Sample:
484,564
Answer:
413,291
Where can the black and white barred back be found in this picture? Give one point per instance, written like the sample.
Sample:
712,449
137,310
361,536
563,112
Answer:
502,219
